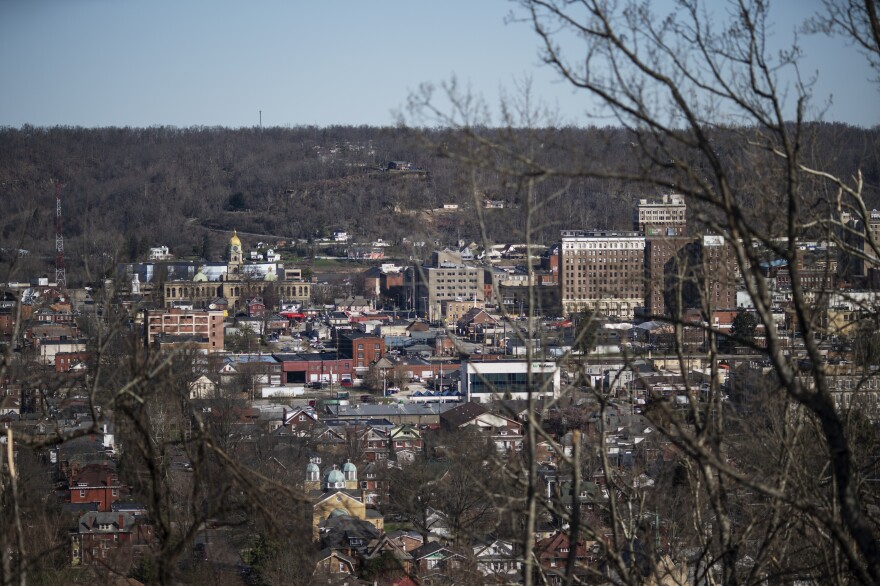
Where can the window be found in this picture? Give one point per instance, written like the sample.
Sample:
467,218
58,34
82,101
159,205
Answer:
82,494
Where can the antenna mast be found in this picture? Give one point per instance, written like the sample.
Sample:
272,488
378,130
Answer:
60,276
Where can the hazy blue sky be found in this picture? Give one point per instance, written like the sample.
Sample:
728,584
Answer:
218,62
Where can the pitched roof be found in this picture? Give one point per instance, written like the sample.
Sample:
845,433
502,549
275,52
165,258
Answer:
458,416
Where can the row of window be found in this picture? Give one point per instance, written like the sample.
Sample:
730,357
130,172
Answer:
632,245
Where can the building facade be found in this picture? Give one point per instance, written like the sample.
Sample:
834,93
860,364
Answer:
493,380
602,271
668,213
448,279
703,277
660,254
236,282
361,349
206,324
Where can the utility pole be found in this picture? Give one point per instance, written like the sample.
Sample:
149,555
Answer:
60,273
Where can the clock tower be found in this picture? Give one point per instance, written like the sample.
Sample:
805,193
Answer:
235,255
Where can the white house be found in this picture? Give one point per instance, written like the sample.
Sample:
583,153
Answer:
498,558
160,253
202,388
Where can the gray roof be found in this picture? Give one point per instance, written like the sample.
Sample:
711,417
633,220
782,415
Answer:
93,520
366,410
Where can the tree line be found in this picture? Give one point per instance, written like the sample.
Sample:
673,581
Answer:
127,189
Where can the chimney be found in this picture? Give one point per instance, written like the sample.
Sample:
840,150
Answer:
121,521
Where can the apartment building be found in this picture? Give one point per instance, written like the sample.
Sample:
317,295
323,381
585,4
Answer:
602,271
180,322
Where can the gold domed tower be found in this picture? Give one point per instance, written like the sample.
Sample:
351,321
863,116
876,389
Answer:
235,254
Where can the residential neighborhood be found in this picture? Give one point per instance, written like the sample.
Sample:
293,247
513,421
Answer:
396,424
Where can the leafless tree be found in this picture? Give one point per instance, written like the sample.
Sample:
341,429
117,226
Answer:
710,113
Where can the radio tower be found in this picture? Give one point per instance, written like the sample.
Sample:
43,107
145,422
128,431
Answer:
60,276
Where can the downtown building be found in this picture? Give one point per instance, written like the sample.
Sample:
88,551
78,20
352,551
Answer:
602,271
664,224
429,288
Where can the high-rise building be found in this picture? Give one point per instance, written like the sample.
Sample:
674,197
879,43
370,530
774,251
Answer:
702,276
664,224
602,271
660,255
858,258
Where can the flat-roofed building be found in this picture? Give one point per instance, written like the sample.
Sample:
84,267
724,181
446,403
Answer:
602,271
493,380
178,322
661,252
668,213
448,279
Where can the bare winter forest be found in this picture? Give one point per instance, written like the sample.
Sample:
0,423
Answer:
127,189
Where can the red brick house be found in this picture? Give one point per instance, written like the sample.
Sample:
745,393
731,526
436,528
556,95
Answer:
64,361
256,307
553,553
374,487
373,442
110,539
95,483
300,421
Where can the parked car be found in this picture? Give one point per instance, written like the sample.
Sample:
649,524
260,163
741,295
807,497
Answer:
346,382
392,390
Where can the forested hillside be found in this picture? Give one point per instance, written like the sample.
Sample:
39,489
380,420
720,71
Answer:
126,189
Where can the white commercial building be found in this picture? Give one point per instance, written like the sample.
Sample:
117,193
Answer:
491,380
